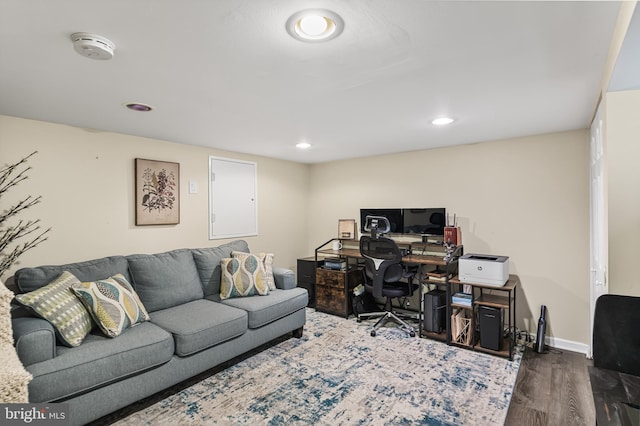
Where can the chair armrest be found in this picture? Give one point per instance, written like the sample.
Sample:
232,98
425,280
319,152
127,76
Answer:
285,278
35,340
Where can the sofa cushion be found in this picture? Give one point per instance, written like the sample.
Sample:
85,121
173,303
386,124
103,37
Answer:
208,263
200,324
265,309
112,303
99,361
266,259
29,279
166,279
242,277
56,303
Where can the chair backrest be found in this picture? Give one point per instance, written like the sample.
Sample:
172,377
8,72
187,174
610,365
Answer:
382,261
616,335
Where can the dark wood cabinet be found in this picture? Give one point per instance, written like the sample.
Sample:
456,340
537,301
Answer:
334,289
307,277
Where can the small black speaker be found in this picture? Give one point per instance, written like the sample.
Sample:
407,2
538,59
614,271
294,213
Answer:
490,327
434,311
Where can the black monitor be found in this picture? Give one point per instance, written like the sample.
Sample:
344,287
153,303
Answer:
429,221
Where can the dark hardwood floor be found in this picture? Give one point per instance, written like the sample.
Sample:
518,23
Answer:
552,388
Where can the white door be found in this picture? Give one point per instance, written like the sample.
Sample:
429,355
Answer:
598,250
233,198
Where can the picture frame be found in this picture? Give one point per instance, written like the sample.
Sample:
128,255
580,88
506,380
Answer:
157,192
347,229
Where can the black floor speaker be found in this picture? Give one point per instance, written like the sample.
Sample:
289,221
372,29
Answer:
490,327
434,311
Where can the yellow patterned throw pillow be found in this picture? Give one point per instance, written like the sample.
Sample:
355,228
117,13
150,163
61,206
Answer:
113,304
57,304
266,259
242,277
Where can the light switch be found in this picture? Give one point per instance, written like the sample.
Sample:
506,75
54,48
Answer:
193,187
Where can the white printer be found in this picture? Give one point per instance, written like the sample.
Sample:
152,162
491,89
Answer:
484,269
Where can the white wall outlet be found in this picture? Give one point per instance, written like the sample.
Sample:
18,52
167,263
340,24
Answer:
193,187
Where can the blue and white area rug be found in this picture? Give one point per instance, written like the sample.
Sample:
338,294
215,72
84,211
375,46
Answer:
337,374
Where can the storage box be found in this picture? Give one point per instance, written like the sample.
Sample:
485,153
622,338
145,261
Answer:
484,269
453,235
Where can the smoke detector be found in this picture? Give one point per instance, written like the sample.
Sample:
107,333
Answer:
93,46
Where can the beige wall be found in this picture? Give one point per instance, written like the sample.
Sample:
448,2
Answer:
527,198
623,189
86,180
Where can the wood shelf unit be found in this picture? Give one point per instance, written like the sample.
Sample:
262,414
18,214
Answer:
428,264
505,300
493,300
442,336
457,305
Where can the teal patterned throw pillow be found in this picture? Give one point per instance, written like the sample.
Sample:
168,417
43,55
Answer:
242,277
112,303
57,304
266,260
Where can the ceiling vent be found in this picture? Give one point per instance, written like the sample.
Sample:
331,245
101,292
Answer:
93,46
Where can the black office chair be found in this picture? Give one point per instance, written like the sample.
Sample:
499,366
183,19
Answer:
615,333
616,339
382,277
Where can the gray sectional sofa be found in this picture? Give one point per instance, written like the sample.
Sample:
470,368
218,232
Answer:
191,329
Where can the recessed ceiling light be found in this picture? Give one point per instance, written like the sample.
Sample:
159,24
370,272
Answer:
303,145
139,107
442,121
315,25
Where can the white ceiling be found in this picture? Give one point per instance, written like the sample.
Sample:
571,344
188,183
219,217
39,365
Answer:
226,74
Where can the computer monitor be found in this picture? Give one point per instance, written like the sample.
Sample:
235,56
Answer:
429,221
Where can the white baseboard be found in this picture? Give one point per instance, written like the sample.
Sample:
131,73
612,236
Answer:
567,345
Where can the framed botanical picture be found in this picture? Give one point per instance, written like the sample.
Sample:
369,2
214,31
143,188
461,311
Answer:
157,192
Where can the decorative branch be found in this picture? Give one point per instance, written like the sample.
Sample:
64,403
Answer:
10,176
6,173
22,205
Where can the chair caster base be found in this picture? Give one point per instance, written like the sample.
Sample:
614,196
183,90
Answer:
373,333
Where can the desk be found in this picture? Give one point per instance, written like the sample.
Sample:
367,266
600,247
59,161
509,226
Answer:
483,295
334,288
411,259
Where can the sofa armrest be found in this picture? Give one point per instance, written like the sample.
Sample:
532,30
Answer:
35,339
285,278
